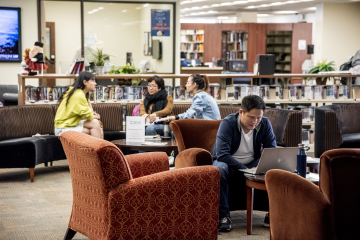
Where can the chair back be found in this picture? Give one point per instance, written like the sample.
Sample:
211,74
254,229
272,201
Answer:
195,133
339,181
96,167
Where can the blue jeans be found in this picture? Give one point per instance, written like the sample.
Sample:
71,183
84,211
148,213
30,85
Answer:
227,175
154,129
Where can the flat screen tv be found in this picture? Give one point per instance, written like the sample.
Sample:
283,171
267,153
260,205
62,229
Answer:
10,34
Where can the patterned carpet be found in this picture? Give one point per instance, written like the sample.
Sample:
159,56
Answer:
41,210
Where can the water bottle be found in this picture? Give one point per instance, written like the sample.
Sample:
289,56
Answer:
166,129
301,160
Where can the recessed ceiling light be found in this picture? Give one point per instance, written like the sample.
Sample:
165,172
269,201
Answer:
202,12
195,8
184,2
145,5
264,5
95,10
206,6
215,5
263,15
285,12
293,1
212,11
192,13
254,0
100,8
90,12
226,4
311,8
239,2
251,7
277,3
307,0
223,17
124,10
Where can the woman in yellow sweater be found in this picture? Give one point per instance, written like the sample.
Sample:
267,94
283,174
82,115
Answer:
75,112
157,103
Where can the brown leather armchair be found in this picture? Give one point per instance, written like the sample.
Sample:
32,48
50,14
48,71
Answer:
301,210
137,197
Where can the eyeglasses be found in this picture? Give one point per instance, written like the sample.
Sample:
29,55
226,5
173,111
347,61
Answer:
152,86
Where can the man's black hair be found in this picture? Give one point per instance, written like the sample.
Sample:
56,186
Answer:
251,102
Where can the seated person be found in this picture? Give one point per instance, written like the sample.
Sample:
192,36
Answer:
157,103
203,105
238,146
75,112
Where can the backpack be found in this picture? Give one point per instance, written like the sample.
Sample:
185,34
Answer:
136,110
356,59
344,67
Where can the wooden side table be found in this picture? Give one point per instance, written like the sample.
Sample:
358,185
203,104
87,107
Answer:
168,147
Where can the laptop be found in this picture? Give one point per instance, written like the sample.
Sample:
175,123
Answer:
275,158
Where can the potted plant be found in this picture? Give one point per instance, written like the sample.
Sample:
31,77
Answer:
128,69
98,57
322,67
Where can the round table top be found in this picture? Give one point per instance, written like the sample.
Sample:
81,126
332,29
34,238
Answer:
147,146
312,177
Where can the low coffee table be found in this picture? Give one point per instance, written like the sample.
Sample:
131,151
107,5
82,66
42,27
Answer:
258,182
168,147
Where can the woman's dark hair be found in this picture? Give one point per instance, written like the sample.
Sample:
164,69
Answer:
158,80
251,102
78,84
201,81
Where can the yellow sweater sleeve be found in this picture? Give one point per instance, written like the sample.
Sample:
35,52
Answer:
77,108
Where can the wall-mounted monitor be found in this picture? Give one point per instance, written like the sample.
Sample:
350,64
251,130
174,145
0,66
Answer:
10,34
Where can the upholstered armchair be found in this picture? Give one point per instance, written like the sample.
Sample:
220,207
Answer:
137,197
195,139
337,126
301,210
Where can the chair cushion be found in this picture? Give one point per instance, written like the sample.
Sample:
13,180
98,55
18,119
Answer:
350,140
278,119
55,148
114,135
23,152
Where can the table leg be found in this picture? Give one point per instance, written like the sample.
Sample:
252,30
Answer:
249,208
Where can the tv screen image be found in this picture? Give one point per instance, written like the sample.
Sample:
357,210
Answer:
10,35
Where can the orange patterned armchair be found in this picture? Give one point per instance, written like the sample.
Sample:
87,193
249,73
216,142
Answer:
137,197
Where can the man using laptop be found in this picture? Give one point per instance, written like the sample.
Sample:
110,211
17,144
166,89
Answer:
238,145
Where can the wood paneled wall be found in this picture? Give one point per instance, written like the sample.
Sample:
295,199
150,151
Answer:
256,39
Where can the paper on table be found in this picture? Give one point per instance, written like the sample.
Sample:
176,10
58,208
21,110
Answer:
313,177
154,143
312,160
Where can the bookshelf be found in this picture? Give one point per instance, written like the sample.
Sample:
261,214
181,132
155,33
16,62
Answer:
279,43
192,44
234,46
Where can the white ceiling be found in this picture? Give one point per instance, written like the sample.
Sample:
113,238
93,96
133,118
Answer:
213,8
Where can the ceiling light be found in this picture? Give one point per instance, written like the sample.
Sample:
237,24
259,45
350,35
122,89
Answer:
202,12
254,0
192,13
95,10
215,5
100,8
145,5
264,5
293,1
285,12
277,3
251,7
311,9
184,2
239,2
307,0
226,4
223,17
90,12
124,10
185,9
263,15
205,6
212,11
195,8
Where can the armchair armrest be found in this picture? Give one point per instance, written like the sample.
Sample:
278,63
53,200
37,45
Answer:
142,164
193,157
298,209
177,204
327,131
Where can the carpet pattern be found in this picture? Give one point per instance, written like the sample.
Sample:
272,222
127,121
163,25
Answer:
41,210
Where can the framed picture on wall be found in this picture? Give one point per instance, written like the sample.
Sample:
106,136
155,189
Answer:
10,34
